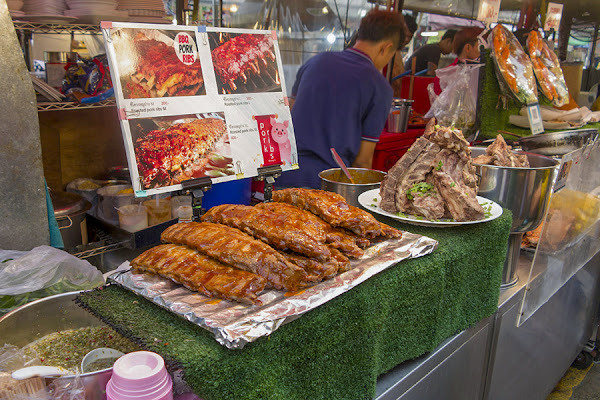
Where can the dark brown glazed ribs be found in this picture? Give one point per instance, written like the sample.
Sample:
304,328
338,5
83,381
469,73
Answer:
233,247
200,273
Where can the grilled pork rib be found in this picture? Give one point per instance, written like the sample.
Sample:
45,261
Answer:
345,241
278,230
233,247
332,208
200,273
169,156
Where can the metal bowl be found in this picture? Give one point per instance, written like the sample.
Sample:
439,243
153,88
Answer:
34,320
334,180
558,143
524,191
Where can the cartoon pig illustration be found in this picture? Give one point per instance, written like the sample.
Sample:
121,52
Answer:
279,133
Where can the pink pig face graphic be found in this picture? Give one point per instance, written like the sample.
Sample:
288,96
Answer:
279,133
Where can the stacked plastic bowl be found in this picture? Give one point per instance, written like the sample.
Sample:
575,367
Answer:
140,375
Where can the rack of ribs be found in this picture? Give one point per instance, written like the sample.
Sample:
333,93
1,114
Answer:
281,231
200,273
235,248
159,72
169,156
243,57
345,241
332,208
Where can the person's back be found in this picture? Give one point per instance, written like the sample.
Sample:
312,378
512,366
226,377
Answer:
341,100
335,96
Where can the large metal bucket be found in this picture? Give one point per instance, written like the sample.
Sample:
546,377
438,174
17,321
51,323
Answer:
334,180
56,313
525,192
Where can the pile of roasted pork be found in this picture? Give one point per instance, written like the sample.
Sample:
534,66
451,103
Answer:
500,154
435,179
303,237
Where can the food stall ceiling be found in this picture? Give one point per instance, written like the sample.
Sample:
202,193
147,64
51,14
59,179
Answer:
310,15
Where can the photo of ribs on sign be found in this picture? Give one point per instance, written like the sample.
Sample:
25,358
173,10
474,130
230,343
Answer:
157,63
169,150
244,63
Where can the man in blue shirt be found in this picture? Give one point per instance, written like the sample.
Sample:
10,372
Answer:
341,100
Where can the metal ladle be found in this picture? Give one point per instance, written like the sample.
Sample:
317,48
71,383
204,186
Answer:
338,160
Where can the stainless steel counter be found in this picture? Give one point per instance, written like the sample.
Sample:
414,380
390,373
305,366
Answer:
498,360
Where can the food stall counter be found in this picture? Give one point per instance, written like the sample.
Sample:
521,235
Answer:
339,349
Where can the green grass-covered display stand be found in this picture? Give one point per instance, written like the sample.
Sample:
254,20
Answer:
338,350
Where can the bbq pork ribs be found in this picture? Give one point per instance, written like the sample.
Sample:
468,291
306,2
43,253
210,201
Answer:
247,59
435,178
170,156
159,72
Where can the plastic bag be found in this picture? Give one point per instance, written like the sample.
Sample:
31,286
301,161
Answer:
457,104
42,272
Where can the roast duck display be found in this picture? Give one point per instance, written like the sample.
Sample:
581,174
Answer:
435,179
237,251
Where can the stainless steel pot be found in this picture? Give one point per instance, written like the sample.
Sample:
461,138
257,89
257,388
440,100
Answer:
334,180
109,200
525,192
397,120
70,212
34,320
558,143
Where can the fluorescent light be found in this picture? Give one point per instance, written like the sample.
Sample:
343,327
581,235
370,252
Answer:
331,38
233,8
325,10
428,33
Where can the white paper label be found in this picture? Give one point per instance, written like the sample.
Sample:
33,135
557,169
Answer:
535,118
488,11
553,16
185,47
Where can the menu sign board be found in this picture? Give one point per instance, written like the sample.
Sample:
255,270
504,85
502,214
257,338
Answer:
488,11
553,16
198,102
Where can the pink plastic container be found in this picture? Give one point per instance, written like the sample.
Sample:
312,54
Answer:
140,375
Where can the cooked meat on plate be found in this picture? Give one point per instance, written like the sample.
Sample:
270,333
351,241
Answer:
435,179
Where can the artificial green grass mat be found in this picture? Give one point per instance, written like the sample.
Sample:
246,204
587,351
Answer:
338,350
494,118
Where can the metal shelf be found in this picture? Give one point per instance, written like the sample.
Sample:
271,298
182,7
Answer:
56,28
72,105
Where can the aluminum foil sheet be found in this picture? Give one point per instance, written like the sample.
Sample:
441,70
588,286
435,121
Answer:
235,324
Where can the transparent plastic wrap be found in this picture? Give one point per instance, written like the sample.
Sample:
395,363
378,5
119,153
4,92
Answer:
513,67
546,67
457,104
42,272
570,234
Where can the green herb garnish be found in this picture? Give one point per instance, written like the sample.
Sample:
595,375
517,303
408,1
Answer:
420,189
452,184
439,166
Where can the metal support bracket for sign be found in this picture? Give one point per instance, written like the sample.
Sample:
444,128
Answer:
196,188
268,174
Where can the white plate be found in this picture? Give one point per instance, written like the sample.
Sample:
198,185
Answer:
49,19
370,200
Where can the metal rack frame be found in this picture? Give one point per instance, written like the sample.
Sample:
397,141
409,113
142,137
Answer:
72,105
24,26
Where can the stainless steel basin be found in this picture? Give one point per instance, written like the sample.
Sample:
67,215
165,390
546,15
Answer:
525,192
34,320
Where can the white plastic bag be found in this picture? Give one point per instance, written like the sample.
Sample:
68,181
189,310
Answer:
42,272
457,104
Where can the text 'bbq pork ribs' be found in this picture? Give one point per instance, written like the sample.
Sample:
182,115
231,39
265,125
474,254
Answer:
435,178
243,57
169,156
